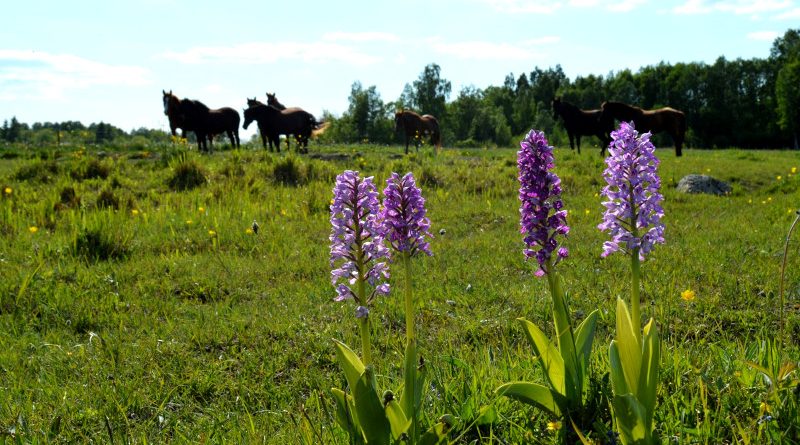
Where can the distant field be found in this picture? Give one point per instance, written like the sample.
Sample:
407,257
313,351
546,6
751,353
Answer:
138,307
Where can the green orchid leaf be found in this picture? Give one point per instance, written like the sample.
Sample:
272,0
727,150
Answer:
408,399
631,420
584,337
618,383
437,433
629,348
549,356
370,410
343,411
648,383
566,341
534,394
397,419
350,363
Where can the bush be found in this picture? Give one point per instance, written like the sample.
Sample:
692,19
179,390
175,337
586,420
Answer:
106,200
95,244
187,175
42,171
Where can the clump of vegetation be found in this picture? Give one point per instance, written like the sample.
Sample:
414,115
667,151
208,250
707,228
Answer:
92,169
107,200
68,199
288,171
187,175
97,244
43,171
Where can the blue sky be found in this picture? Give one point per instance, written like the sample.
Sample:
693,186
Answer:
109,60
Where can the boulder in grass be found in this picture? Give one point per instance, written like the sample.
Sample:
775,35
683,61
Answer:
703,184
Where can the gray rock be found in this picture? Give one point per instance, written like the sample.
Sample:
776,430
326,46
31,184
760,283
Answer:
703,184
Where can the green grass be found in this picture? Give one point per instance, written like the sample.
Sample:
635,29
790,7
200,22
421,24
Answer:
161,318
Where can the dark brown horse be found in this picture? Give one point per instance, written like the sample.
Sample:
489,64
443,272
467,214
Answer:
272,100
416,127
205,122
273,122
253,102
580,122
171,105
655,121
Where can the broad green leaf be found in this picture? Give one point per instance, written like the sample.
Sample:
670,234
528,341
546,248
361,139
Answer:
436,434
534,394
650,363
350,363
370,411
397,419
549,356
630,350
408,399
630,417
584,337
618,383
566,343
486,416
345,412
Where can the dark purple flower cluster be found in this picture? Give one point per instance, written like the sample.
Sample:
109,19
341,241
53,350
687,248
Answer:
405,225
357,245
542,217
633,207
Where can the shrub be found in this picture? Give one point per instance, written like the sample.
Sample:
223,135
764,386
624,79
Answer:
95,244
107,199
187,175
42,171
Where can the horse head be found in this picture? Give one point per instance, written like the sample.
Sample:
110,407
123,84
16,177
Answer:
248,115
253,102
272,100
556,104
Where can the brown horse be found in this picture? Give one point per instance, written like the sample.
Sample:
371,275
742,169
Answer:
580,122
171,105
416,127
205,122
655,121
272,100
273,122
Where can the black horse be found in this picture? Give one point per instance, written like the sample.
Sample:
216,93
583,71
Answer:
580,122
273,122
205,122
663,119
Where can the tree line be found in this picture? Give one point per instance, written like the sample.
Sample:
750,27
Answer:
753,103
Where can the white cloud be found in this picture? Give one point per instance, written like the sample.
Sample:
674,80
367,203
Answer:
764,36
624,5
269,52
738,7
524,6
478,50
42,75
790,14
360,37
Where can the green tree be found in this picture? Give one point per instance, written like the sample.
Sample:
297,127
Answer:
788,95
430,92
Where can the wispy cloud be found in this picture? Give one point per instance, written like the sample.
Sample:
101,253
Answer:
360,37
790,14
738,7
551,6
271,52
480,50
764,36
42,75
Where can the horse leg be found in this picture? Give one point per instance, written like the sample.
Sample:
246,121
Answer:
406,143
678,144
571,142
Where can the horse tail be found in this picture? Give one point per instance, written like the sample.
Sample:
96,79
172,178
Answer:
319,128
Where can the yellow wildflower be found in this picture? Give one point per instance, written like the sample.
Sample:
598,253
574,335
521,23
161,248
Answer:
201,209
134,212
33,229
189,222
283,212
779,177
794,170
553,425
586,211
248,231
212,233
688,295
8,190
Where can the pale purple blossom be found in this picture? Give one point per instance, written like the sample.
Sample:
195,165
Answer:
403,215
542,217
633,206
358,252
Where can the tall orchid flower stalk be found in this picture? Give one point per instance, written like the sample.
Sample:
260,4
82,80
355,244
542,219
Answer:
358,254
543,222
359,272
407,230
633,219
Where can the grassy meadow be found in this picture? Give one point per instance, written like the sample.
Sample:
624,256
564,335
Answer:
137,305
